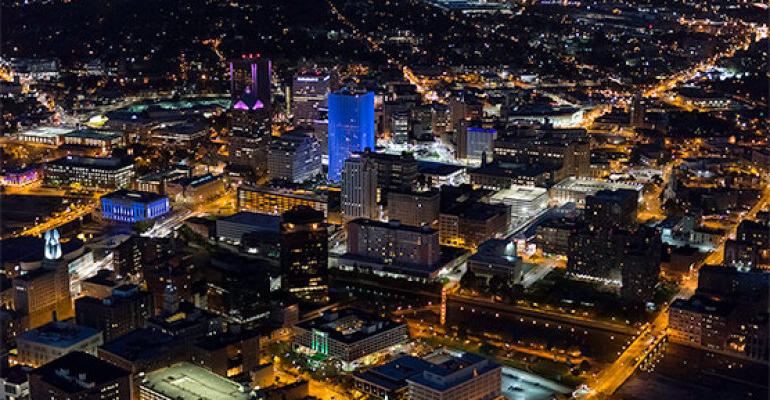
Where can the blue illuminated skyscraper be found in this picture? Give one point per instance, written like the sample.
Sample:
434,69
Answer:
351,127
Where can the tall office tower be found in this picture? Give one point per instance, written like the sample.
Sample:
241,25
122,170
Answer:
304,254
400,127
250,80
249,118
295,157
310,93
474,141
359,189
45,291
395,172
638,111
351,127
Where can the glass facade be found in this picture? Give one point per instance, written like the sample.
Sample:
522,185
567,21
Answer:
351,128
123,210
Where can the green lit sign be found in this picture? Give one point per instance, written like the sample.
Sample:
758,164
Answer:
319,342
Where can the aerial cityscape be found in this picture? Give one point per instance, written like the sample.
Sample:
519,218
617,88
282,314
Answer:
384,199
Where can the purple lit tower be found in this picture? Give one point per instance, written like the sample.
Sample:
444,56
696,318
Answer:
250,82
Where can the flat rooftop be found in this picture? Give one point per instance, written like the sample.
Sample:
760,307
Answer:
76,371
185,381
593,185
92,134
520,193
59,334
496,251
93,162
134,195
349,325
142,344
46,132
436,168
261,221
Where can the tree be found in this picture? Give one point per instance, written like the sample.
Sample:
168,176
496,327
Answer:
143,226
469,281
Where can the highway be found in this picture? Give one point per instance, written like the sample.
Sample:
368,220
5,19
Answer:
612,377
544,315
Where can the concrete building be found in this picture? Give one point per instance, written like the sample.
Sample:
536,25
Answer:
185,381
128,308
393,243
462,376
277,201
348,335
53,340
14,383
105,140
415,208
132,206
468,224
80,376
525,202
195,188
497,257
231,229
572,190
90,173
294,157
359,189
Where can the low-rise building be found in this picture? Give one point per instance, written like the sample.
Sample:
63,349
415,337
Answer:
105,140
525,201
575,190
185,381
53,340
231,229
468,224
497,257
277,201
79,375
133,206
90,172
445,375
348,335
195,188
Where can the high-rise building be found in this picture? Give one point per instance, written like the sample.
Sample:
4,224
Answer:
395,172
238,290
251,76
400,126
359,189
637,112
249,118
295,157
304,254
628,258
80,376
474,142
310,92
45,291
351,127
